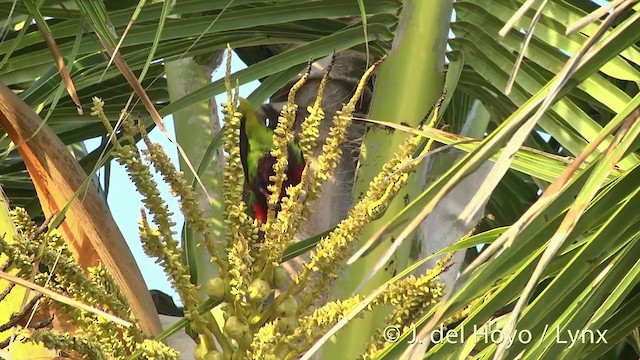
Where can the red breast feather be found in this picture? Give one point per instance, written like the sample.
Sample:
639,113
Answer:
265,172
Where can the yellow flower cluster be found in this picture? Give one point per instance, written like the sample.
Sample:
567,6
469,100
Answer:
60,340
265,340
158,242
313,326
157,350
95,337
411,298
278,233
310,126
241,229
69,276
193,213
329,254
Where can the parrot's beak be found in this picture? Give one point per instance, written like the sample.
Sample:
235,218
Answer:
269,113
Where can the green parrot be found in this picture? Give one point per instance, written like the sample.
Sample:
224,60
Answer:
256,143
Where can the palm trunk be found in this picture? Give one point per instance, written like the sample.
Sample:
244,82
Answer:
409,82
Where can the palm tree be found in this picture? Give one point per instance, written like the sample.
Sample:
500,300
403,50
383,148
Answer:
540,103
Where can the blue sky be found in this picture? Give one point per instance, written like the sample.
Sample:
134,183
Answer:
125,202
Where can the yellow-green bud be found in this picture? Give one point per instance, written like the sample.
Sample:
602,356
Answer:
287,324
215,288
235,328
255,319
283,325
259,290
288,307
280,277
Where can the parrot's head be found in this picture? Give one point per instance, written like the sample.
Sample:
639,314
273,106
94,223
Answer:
246,109
256,144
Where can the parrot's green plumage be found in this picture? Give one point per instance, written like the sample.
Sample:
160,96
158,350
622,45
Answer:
256,144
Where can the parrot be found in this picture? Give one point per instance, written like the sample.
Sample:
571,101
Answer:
256,144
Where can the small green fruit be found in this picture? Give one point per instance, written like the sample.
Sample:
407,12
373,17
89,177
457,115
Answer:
280,277
287,324
235,328
259,290
288,307
283,325
215,288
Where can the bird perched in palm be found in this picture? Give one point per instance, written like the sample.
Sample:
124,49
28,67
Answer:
256,144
